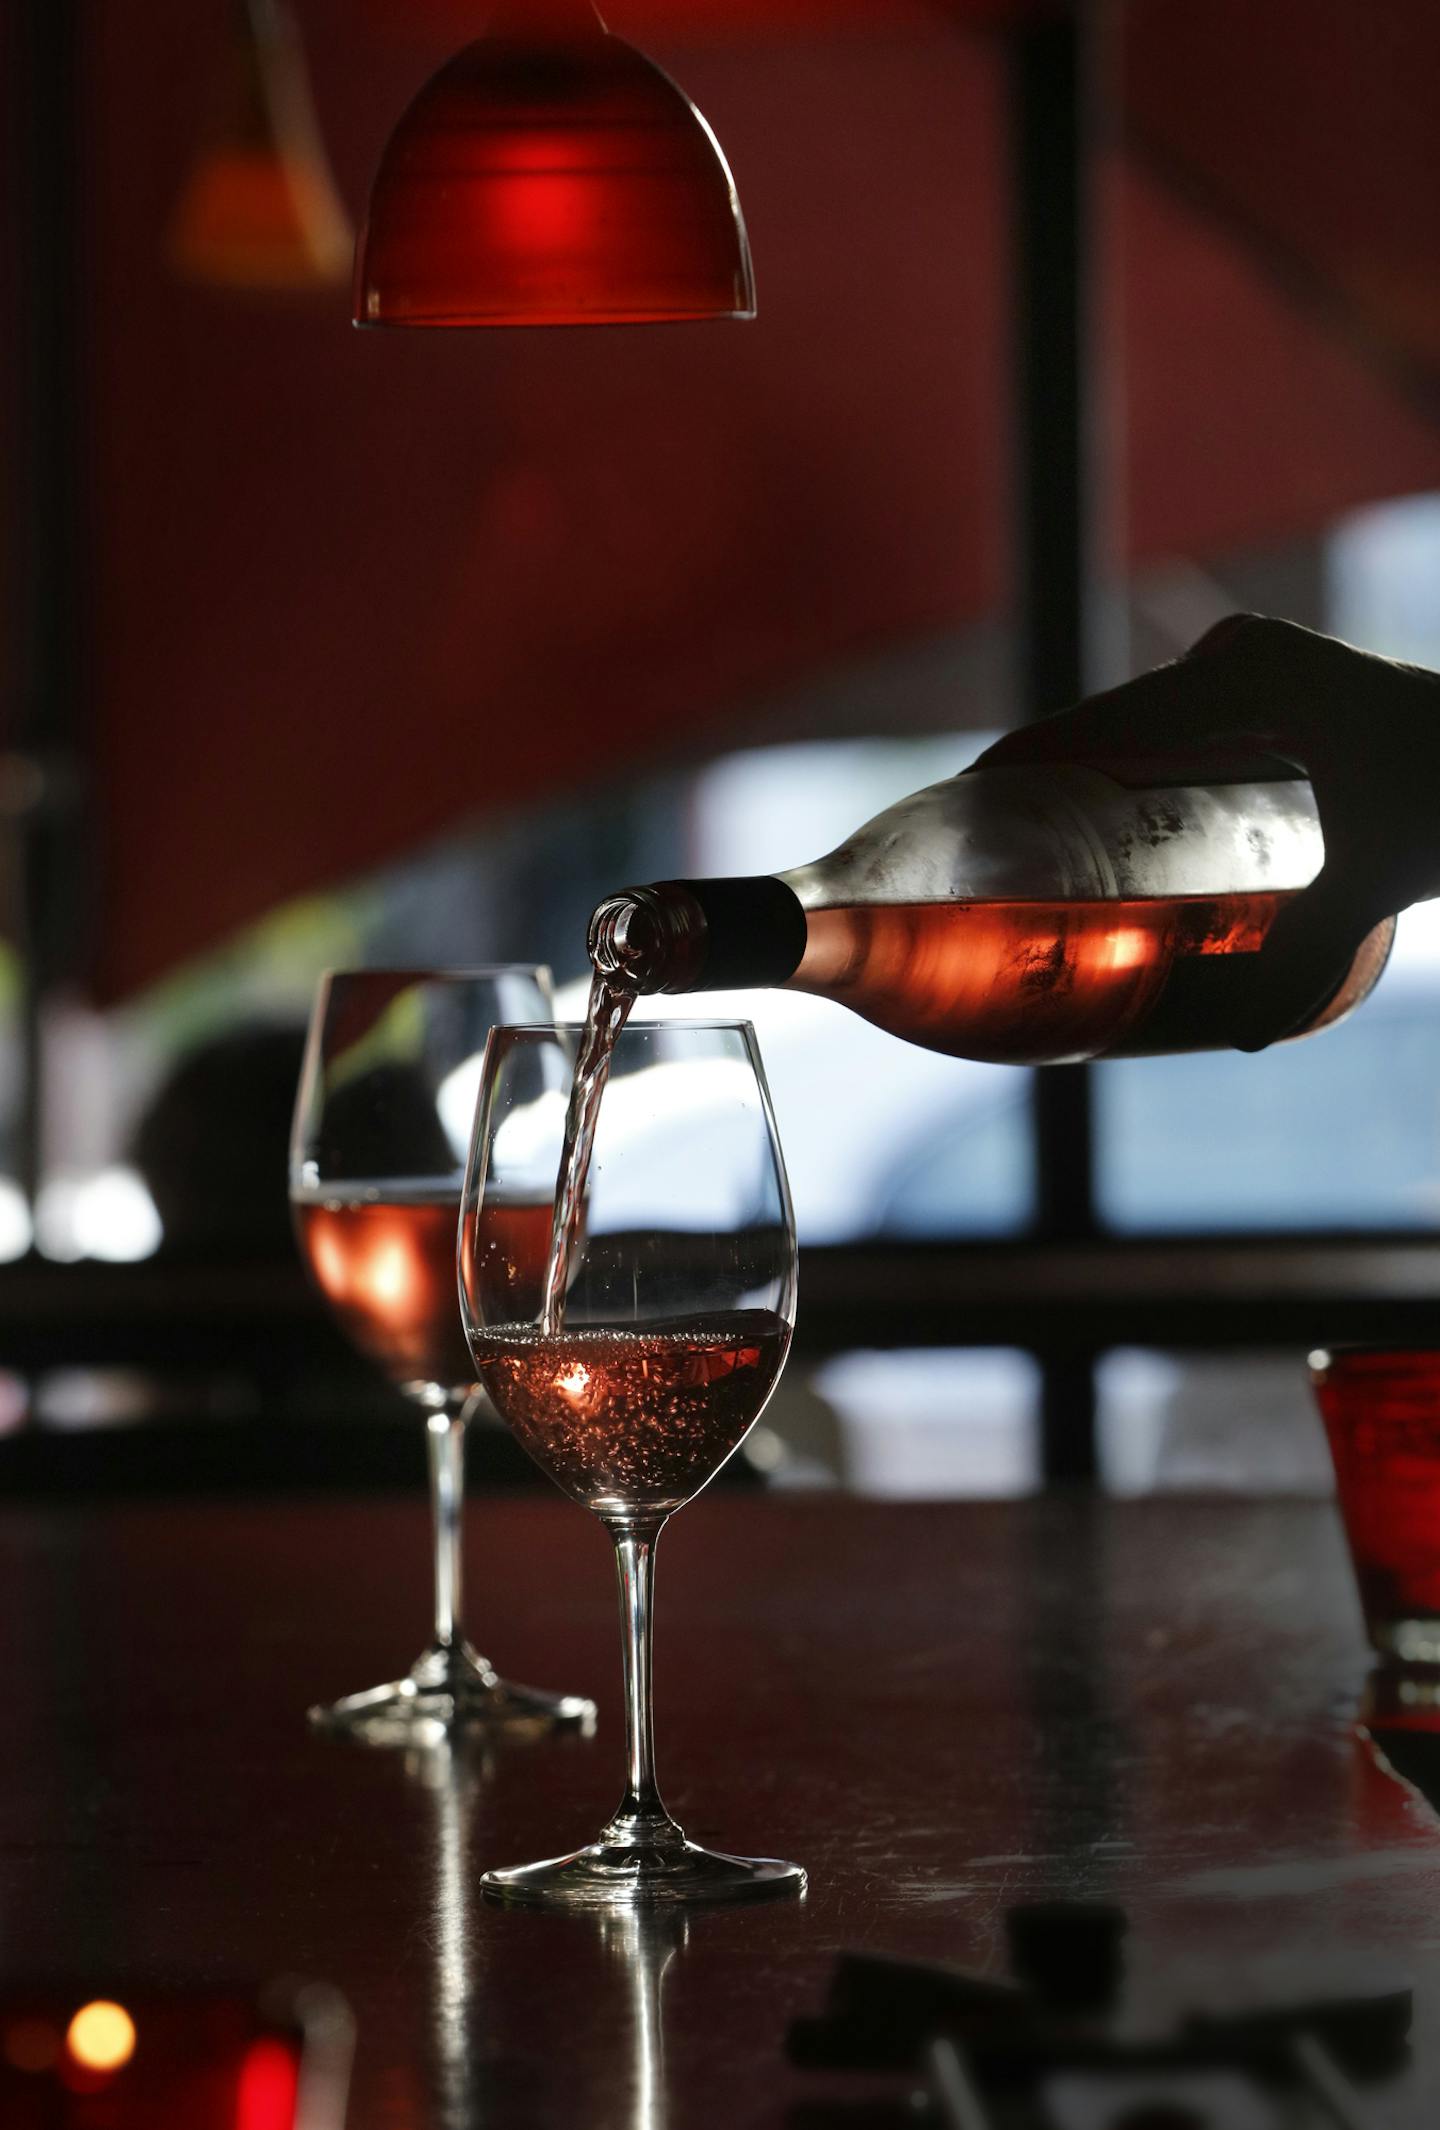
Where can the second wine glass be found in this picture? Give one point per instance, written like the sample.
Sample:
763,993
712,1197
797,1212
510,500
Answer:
377,1160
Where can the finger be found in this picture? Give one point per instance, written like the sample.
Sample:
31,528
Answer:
1378,820
1306,958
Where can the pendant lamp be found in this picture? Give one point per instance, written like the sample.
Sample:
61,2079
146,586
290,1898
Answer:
260,208
551,174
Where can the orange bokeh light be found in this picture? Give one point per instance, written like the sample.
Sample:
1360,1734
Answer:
101,2036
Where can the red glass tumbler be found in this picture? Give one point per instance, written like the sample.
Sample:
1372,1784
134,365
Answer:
1381,1408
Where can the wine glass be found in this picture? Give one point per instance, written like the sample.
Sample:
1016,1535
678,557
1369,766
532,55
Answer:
377,1160
664,1341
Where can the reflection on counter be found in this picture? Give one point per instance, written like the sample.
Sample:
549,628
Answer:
490,1972
644,1945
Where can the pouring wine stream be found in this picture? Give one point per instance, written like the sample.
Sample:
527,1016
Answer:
610,1004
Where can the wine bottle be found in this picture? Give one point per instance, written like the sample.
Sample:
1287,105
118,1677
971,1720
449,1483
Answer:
1026,915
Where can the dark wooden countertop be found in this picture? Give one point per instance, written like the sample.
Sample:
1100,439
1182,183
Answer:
939,1709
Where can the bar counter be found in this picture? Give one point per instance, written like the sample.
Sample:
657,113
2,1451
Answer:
939,1709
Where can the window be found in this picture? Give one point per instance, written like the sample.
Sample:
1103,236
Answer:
1218,1423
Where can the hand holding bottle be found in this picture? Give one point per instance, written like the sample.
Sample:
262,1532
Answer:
1107,882
1364,730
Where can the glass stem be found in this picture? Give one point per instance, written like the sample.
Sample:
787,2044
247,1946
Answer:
445,1442
641,1815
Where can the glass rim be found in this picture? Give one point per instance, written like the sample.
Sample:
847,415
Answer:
631,1027
422,974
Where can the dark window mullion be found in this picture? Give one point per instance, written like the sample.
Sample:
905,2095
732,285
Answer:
1056,519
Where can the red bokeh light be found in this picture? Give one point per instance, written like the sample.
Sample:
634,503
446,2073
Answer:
268,2088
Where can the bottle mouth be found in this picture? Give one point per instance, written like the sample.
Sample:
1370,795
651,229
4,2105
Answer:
645,938
623,934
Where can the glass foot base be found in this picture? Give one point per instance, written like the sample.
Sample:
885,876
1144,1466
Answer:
605,1876
445,1692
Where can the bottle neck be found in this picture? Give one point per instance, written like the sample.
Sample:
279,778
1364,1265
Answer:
699,935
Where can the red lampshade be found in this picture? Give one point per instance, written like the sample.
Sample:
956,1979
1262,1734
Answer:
552,175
